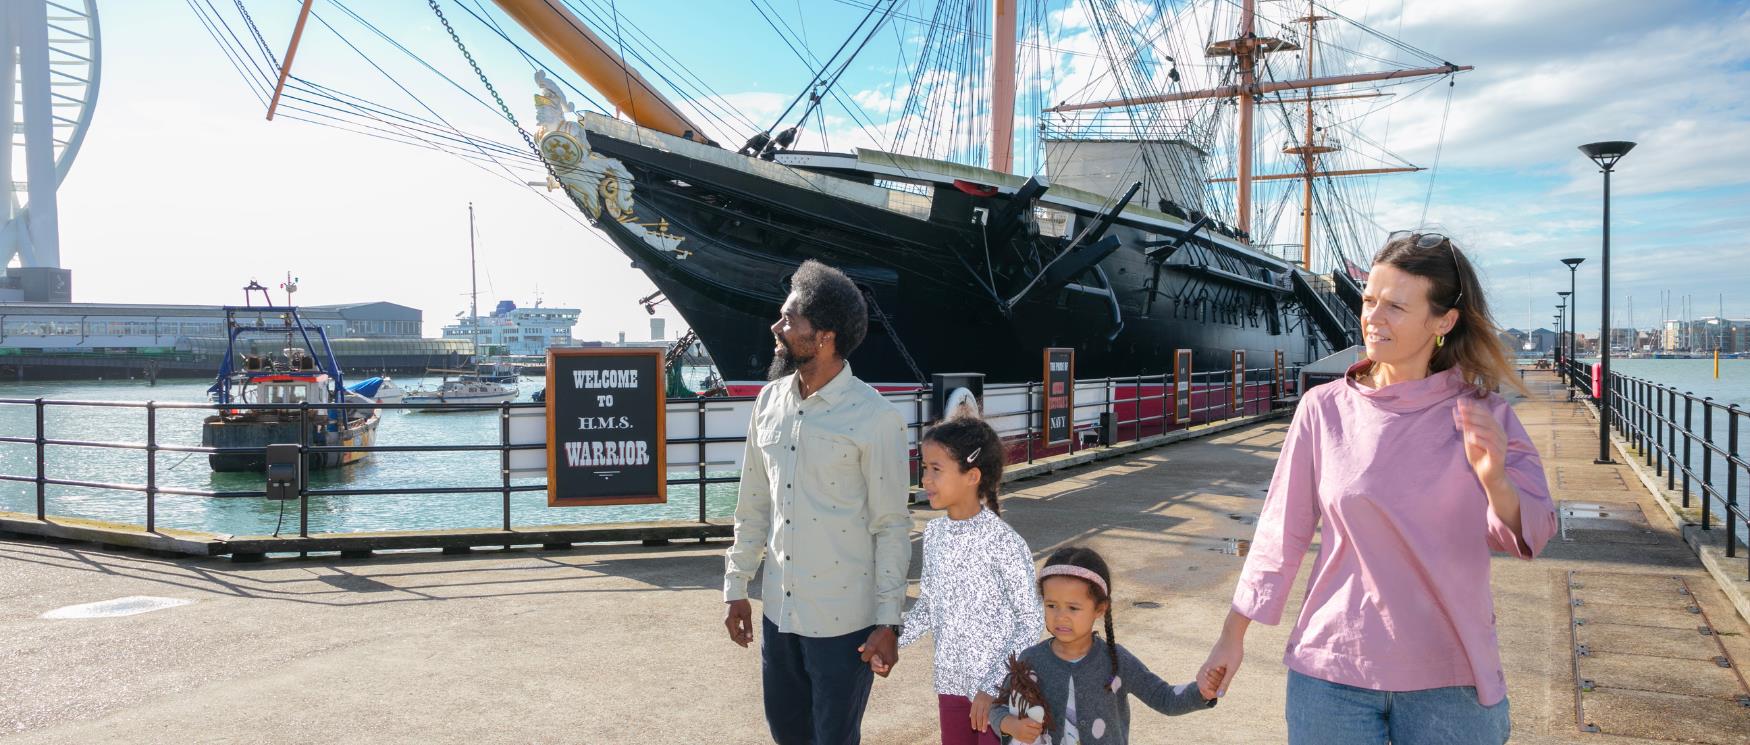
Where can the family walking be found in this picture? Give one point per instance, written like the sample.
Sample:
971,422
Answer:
1408,472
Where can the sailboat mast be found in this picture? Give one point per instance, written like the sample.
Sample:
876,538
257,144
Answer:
1246,52
1002,79
473,286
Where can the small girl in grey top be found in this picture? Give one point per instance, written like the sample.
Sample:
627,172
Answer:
1087,681
977,591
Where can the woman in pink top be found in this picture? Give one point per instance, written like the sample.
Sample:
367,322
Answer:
1409,471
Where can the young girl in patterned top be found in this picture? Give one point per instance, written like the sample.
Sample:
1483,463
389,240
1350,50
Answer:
977,593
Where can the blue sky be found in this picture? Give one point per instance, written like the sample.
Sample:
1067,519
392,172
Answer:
183,192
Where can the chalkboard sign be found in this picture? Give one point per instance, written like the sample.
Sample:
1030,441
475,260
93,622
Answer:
1238,397
606,434
1060,394
1182,386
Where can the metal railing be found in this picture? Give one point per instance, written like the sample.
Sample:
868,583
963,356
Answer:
1659,423
1140,406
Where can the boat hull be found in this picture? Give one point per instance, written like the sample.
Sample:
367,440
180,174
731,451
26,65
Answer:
259,431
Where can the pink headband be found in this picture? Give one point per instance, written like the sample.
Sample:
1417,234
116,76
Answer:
1070,570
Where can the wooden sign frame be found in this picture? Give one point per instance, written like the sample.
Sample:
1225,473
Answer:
1069,408
558,398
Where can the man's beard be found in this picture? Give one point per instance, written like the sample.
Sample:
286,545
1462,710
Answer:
785,361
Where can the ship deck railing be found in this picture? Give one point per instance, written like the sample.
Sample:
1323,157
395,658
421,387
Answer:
706,438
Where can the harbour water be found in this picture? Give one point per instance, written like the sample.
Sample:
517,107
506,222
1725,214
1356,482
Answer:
414,472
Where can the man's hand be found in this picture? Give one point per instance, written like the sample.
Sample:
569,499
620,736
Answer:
738,619
881,650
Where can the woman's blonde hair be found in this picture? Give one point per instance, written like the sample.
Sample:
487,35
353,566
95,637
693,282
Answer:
1474,343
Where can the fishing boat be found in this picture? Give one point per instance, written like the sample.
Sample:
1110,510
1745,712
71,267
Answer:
1142,217
287,392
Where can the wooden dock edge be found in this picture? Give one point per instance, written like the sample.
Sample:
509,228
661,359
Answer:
245,548
181,542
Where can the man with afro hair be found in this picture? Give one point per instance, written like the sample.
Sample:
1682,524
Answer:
823,503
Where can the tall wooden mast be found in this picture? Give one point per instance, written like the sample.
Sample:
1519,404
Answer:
1002,86
1247,50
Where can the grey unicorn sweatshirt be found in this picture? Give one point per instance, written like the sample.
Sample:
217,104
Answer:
1102,716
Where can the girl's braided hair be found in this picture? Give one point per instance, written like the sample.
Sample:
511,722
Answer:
1089,559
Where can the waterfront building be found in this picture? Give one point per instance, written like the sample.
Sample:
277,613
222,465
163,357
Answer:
95,339
510,330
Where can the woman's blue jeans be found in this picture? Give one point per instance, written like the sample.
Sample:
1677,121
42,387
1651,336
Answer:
1325,713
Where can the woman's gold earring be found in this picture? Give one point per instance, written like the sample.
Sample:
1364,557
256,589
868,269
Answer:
1440,341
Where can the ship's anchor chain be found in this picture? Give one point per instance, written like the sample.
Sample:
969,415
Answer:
869,295
530,141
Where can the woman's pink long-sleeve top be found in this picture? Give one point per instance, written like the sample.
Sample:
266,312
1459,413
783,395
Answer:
1399,594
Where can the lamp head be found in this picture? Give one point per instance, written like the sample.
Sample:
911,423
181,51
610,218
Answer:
1573,263
1564,293
1606,154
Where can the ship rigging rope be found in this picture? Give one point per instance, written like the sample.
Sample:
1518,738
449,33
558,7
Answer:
1439,145
502,107
894,335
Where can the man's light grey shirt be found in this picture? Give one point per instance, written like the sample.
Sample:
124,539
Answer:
823,498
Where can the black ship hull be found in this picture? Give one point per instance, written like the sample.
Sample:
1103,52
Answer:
952,301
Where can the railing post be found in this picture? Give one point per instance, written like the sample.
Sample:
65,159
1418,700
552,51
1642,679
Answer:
151,467
1731,480
504,457
1639,425
1658,430
1688,436
42,486
1671,441
916,462
304,470
1646,422
1030,409
1707,460
700,402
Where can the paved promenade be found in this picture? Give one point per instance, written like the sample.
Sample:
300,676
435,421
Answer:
625,644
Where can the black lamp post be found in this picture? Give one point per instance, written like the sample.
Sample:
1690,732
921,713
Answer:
1606,155
1573,318
1562,325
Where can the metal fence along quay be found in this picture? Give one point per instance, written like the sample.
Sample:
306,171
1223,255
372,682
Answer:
1694,444
705,439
